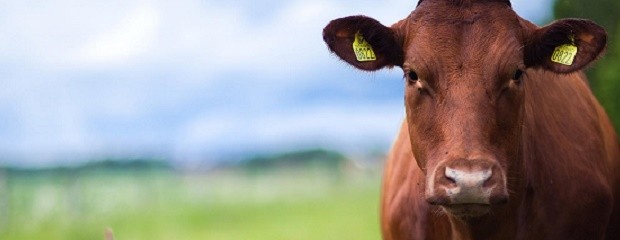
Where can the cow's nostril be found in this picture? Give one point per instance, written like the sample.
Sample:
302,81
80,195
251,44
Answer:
451,179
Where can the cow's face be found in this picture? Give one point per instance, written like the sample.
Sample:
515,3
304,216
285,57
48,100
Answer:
465,68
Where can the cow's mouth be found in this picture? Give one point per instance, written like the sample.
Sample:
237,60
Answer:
467,211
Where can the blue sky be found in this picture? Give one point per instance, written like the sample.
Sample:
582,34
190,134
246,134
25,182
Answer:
190,80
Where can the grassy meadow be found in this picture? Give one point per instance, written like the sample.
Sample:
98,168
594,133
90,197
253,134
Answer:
311,202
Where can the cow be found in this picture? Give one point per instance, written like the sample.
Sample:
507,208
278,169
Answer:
502,138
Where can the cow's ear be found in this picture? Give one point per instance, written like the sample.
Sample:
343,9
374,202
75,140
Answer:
565,46
364,43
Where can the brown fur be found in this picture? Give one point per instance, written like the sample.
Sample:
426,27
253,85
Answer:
467,2
555,146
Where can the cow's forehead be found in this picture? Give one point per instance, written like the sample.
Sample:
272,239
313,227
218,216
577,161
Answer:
446,35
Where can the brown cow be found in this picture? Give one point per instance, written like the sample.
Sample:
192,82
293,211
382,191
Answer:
503,137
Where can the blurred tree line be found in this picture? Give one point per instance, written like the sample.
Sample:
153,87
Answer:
605,74
304,158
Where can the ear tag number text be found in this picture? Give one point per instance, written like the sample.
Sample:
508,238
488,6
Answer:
564,54
363,50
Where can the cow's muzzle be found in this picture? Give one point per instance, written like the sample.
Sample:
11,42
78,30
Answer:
467,188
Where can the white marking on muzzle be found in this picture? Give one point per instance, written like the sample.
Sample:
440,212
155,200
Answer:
469,186
469,179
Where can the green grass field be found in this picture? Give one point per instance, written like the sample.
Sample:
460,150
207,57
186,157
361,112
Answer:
308,203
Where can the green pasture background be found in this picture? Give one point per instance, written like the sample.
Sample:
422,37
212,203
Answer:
310,202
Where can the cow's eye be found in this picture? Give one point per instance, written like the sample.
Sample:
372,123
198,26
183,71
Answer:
413,76
517,75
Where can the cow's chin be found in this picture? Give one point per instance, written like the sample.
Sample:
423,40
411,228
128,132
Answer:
467,211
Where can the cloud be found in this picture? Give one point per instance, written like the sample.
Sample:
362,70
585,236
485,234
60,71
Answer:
130,37
342,126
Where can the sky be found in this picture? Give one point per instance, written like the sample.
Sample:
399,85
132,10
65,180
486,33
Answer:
190,80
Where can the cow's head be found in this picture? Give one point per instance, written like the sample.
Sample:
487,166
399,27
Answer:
465,65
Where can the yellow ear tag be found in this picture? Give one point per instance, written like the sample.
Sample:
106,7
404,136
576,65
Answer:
564,54
363,50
